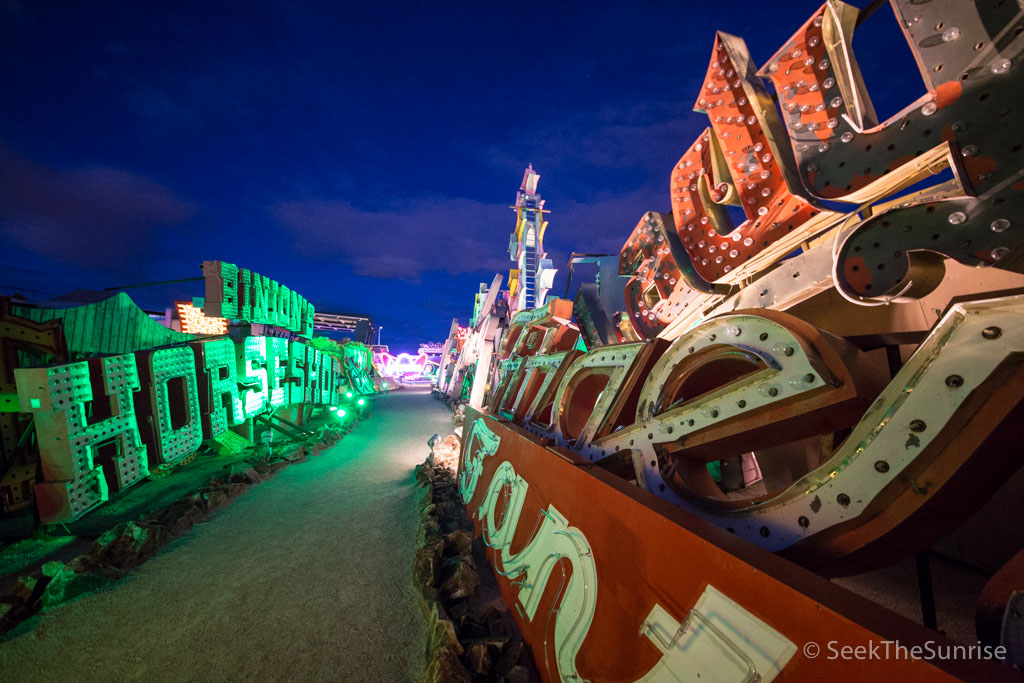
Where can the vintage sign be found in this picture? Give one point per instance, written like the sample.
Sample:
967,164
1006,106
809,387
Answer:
835,376
752,380
840,372
195,321
240,294
612,583
822,141
151,409
138,397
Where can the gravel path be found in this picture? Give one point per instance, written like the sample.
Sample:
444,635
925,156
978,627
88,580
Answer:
304,577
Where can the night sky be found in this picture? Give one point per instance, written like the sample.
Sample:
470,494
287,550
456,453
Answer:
363,155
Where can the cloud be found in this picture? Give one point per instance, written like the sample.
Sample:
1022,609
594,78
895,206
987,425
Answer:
645,136
92,215
455,236
402,241
603,224
405,239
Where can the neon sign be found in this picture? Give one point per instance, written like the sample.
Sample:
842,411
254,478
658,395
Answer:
105,422
730,367
407,365
461,335
238,293
194,321
131,431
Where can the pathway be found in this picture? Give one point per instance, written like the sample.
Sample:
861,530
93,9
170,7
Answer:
306,576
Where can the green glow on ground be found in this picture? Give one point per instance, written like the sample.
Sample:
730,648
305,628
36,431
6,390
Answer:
21,554
305,573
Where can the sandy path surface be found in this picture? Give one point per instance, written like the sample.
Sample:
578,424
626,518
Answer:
305,577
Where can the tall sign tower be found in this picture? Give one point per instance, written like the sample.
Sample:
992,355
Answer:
530,282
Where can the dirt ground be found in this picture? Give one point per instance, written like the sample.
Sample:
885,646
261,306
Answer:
305,577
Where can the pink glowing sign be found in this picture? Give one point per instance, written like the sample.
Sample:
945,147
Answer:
407,365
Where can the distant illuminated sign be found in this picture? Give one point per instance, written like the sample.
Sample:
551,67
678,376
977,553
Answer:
407,366
404,364
432,348
194,321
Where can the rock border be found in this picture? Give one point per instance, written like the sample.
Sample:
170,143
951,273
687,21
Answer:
470,634
128,545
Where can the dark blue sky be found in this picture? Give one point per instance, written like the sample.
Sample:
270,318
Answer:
363,155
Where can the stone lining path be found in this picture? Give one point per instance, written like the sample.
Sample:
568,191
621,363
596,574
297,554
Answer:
306,576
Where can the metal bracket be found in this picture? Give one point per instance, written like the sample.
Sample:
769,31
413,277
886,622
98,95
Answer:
752,675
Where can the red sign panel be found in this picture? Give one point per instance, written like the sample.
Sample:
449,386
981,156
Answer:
608,582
